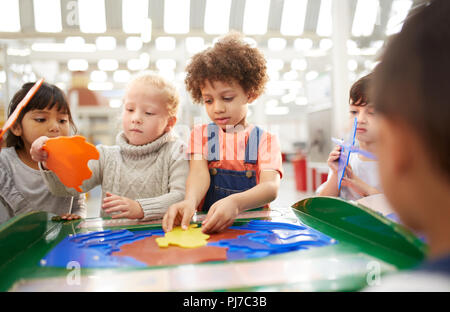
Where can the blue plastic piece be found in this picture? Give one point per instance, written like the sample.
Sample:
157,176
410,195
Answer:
345,154
271,238
93,250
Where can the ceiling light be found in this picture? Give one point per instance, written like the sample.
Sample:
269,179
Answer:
121,76
47,16
176,16
105,43
352,65
293,17
311,75
194,44
18,52
74,42
61,47
98,76
217,16
166,64
299,64
276,44
301,100
365,17
325,44
144,58
108,64
9,16
279,110
91,14
77,65
115,103
146,34
399,11
134,13
134,64
252,42
290,75
256,15
303,44
275,64
133,43
324,26
165,43
100,86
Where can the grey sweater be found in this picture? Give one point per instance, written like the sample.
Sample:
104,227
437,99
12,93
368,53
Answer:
153,174
22,190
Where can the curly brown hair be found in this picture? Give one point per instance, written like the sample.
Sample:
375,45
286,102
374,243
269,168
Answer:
231,59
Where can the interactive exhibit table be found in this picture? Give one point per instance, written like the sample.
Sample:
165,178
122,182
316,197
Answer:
320,244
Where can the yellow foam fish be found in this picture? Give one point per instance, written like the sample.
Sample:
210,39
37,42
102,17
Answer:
190,238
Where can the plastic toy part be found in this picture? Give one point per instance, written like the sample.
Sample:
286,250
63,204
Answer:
124,248
68,158
190,238
271,238
345,154
13,117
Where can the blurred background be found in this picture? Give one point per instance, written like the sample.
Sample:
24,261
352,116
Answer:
315,50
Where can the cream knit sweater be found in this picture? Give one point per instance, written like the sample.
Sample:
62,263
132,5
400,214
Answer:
153,174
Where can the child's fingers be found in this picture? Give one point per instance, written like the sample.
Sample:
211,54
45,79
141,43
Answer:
120,215
169,217
187,216
117,209
113,204
113,200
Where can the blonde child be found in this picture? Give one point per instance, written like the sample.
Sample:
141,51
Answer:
22,188
234,165
361,176
414,135
146,171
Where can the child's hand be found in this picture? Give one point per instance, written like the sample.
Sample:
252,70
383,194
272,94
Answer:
359,186
37,153
129,208
69,216
221,215
333,159
179,214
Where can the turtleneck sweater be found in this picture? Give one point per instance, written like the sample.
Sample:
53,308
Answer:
154,174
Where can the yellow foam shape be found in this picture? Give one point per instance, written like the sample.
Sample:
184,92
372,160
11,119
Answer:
190,238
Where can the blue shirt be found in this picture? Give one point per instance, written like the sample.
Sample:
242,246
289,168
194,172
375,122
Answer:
440,266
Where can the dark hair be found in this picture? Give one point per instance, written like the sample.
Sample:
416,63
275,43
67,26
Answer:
230,59
47,96
359,92
412,80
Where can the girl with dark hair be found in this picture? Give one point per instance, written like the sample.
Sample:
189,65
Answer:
22,186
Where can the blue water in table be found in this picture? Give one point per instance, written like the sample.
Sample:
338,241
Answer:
93,250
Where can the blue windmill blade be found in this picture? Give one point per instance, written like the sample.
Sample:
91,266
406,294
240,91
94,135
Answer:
346,150
363,152
354,149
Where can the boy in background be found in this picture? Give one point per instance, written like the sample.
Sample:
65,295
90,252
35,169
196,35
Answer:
413,114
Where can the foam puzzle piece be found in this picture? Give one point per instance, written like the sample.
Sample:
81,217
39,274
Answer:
13,117
68,158
190,238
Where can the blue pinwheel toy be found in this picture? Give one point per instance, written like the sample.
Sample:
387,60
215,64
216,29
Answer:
348,147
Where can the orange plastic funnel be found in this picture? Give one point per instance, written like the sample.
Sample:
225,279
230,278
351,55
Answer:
68,158
12,119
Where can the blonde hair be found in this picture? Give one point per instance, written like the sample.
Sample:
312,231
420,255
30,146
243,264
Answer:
164,87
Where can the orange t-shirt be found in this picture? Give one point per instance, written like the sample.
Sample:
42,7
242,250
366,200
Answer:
232,150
